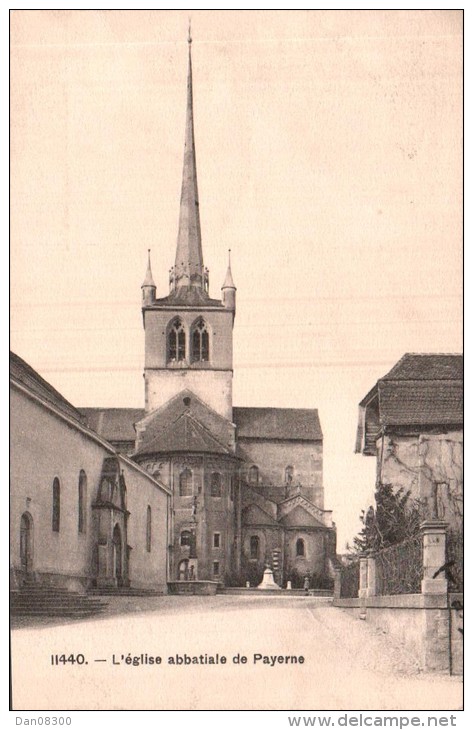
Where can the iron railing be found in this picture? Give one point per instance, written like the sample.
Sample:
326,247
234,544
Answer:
399,568
454,562
350,580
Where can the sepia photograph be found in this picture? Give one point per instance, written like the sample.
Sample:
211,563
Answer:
236,369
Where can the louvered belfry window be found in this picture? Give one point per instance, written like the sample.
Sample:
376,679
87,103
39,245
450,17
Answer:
177,342
200,342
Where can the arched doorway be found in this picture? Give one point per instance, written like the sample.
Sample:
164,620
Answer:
26,543
117,555
183,570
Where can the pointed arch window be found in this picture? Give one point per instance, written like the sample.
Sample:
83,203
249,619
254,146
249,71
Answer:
148,529
200,341
81,497
254,547
185,483
185,538
177,341
56,516
300,548
253,475
216,484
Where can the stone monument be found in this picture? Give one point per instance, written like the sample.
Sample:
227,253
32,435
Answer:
268,581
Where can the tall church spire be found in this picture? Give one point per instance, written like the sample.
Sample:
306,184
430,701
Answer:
189,265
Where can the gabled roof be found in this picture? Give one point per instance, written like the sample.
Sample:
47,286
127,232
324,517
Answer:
287,424
284,424
114,424
24,374
421,390
253,514
185,423
300,517
185,434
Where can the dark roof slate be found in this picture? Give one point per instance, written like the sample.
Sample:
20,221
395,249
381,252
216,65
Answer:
188,296
424,366
24,374
421,390
285,424
114,424
185,423
288,424
411,402
300,517
185,434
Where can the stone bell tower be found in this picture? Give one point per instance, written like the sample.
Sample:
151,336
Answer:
188,335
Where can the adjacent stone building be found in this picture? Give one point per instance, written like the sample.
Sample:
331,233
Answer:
81,515
412,421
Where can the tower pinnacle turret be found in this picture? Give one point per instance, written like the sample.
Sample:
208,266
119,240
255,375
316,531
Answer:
229,288
148,286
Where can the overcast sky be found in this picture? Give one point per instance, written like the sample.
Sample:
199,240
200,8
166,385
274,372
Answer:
329,156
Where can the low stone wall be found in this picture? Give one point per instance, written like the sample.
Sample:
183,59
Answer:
193,587
427,625
426,617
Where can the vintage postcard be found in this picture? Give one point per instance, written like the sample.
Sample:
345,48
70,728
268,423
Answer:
236,369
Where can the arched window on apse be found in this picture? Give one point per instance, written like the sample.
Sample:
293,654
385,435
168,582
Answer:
216,484
254,547
288,475
185,483
300,548
253,475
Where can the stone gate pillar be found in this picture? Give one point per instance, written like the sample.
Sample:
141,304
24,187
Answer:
363,577
434,539
436,630
337,583
371,575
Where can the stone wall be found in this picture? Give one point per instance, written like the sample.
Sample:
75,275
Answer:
210,381
431,467
200,513
272,457
43,447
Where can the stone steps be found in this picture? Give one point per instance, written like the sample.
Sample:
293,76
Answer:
35,600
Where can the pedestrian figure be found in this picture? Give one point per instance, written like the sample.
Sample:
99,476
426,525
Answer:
306,585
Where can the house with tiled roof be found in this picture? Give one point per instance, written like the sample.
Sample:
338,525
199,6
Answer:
412,422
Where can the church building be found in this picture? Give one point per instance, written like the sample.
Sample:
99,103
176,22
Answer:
246,483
